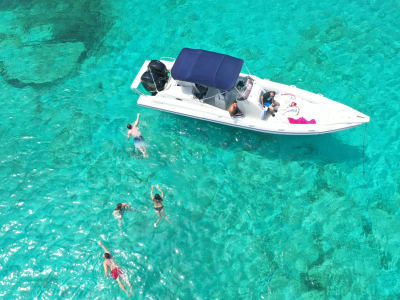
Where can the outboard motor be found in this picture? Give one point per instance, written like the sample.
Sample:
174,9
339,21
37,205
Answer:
152,82
155,78
158,68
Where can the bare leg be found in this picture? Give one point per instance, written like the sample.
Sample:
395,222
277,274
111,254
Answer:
125,278
271,110
275,105
159,218
166,219
120,225
143,150
158,221
121,285
165,216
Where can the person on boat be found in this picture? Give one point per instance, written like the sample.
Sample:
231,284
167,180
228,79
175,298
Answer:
138,139
158,206
269,103
119,211
116,272
234,110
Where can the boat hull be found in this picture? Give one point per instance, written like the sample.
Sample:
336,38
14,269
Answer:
319,115
309,131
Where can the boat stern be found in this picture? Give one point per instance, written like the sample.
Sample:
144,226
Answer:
136,80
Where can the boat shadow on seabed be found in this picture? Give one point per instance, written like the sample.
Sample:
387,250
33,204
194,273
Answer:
325,148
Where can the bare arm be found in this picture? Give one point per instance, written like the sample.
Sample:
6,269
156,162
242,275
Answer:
261,100
129,134
137,121
126,206
102,246
238,114
162,193
105,269
151,193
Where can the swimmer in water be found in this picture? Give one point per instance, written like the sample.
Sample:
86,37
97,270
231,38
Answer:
119,211
138,139
158,206
116,272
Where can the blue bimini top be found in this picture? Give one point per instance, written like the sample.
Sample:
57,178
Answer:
207,68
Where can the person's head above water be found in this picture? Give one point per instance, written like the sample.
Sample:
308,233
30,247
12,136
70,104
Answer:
107,255
272,94
157,197
119,206
129,126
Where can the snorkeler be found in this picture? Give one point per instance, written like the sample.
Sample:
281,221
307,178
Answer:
116,271
158,206
119,211
138,139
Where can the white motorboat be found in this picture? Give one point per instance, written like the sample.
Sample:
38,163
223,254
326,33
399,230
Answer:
203,85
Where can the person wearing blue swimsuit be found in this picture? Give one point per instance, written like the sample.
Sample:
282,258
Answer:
138,139
268,102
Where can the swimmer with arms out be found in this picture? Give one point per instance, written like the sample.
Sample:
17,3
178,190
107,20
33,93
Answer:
138,139
116,271
158,206
119,211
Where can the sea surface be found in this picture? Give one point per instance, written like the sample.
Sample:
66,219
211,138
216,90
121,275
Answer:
253,216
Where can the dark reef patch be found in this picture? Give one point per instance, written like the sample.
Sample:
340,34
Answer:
50,39
311,283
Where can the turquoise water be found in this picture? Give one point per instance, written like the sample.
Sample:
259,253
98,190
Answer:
254,216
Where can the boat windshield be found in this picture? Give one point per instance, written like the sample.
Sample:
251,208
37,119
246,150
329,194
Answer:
224,99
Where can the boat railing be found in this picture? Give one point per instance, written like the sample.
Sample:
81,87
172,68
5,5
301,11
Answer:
167,57
247,69
213,96
138,92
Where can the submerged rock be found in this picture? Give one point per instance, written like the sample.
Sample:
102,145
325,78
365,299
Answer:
40,64
44,42
37,34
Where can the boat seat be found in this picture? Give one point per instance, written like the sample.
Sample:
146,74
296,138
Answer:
200,91
184,83
180,92
220,101
248,87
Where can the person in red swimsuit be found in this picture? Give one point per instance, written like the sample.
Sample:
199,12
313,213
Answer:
110,264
